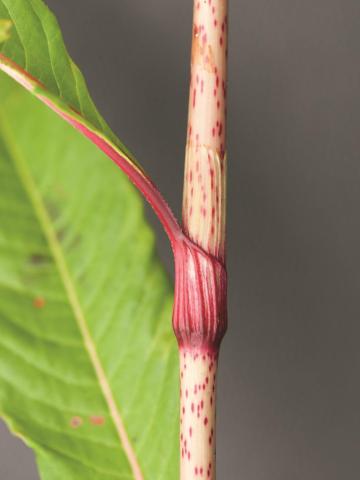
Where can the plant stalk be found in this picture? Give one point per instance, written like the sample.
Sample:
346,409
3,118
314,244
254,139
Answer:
197,413
205,161
200,316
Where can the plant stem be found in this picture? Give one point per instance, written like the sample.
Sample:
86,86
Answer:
197,413
205,163
199,323
200,316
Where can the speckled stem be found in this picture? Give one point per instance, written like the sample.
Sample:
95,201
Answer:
197,416
205,164
200,317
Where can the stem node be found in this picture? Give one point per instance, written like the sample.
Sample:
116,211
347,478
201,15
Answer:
200,306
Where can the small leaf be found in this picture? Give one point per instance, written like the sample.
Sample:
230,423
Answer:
88,361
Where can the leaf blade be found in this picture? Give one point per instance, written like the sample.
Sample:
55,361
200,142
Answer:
154,297
59,260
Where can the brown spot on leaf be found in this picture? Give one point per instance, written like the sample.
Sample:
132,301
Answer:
76,422
52,209
38,259
60,234
97,420
39,302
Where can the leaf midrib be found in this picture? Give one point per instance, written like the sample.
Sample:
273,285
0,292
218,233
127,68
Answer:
44,220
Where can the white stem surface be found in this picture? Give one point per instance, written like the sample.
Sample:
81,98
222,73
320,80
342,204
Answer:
197,414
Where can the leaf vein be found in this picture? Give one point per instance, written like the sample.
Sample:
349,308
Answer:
45,223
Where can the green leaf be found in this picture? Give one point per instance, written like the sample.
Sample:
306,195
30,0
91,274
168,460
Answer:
36,57
86,345
36,45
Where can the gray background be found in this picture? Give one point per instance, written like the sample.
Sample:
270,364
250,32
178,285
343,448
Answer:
289,392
